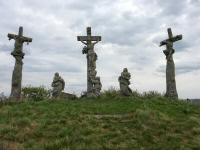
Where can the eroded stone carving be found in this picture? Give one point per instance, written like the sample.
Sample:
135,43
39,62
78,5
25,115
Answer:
58,85
171,90
18,54
124,82
90,42
97,86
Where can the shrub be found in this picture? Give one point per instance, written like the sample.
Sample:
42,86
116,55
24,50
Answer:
151,94
136,94
111,93
3,97
35,93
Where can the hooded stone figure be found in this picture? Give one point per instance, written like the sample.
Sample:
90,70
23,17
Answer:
124,82
58,85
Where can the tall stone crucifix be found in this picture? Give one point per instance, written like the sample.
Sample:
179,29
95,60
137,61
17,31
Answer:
18,55
89,41
170,69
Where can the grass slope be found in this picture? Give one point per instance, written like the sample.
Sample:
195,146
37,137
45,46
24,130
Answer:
100,124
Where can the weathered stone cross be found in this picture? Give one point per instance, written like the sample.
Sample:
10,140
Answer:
170,69
19,55
89,51
171,38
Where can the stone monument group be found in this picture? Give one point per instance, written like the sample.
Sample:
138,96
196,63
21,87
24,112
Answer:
93,81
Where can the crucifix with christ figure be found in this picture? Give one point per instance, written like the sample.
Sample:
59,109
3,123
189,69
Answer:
171,90
18,54
89,41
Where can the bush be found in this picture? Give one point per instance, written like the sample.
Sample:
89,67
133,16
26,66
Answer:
151,94
35,93
111,93
3,97
136,94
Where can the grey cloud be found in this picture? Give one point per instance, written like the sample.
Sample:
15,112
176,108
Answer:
195,2
6,48
54,25
187,68
183,69
171,7
5,75
52,68
42,65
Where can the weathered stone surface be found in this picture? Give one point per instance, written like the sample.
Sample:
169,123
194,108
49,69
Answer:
18,55
64,95
58,85
124,82
171,90
97,86
90,42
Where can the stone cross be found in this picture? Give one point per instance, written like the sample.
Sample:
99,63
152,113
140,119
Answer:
18,55
90,41
171,90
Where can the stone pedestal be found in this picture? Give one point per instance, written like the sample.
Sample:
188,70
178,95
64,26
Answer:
171,90
17,78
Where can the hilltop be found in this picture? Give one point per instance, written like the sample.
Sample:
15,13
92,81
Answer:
107,123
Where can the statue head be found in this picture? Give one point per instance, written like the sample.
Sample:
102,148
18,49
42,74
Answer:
57,74
125,70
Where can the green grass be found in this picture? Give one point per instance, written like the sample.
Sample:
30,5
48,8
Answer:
107,123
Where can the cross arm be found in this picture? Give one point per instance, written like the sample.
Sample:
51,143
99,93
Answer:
86,38
12,36
176,38
27,39
173,39
163,42
79,38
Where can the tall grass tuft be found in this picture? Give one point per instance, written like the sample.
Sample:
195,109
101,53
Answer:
35,93
110,93
151,94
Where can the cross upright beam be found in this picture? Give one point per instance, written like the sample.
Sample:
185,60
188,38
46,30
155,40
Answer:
170,34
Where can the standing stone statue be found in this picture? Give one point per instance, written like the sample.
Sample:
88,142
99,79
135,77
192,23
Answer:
170,69
124,82
18,55
58,85
91,60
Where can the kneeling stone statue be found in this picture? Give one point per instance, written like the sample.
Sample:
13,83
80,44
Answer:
124,82
58,85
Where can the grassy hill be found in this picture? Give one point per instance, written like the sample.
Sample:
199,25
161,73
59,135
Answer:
107,123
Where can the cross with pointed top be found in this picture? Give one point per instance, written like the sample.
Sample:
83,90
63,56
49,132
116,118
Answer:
89,41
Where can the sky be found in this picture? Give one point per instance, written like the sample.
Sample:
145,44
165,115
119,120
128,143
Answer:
131,31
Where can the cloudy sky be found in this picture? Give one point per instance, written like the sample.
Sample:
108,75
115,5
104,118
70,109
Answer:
131,31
